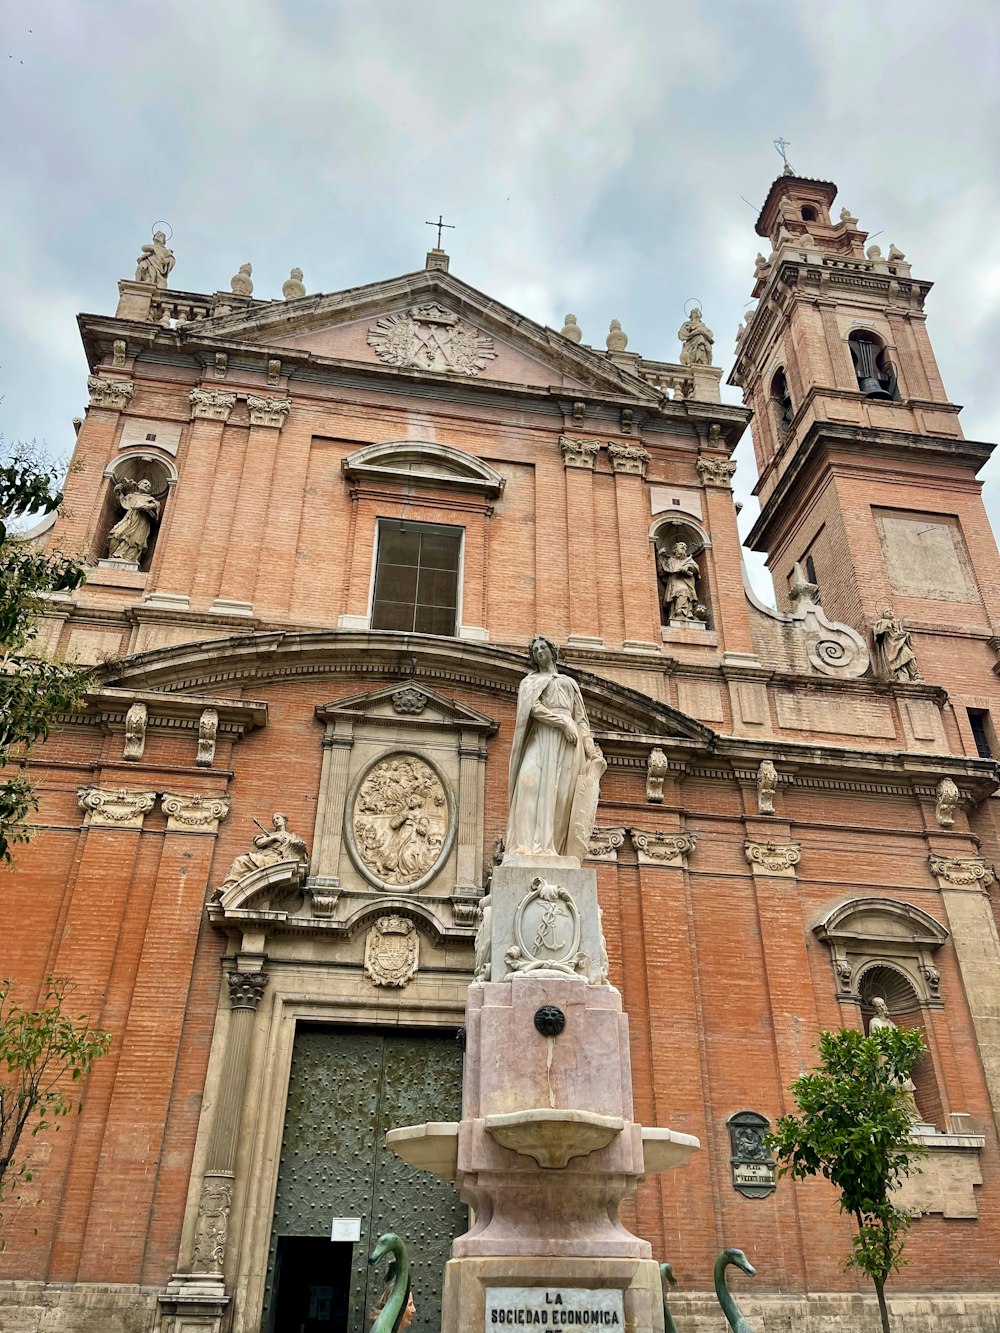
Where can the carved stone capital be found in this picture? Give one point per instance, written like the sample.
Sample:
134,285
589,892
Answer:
656,848
629,458
194,814
213,1224
211,404
115,395
115,809
604,844
268,411
208,730
246,989
716,471
772,858
135,732
579,453
961,872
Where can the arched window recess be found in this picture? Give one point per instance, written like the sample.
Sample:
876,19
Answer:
781,403
679,545
139,485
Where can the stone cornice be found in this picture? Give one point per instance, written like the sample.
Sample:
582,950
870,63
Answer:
824,435
105,707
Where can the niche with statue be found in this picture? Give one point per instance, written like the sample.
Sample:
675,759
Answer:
138,486
682,575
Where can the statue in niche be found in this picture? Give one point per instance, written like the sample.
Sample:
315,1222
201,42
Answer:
280,845
680,573
881,1019
555,764
697,338
155,261
894,655
129,537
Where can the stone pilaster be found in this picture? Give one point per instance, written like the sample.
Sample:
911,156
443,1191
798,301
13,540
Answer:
579,457
471,776
328,834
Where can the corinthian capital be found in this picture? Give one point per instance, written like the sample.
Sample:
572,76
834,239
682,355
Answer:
246,989
115,395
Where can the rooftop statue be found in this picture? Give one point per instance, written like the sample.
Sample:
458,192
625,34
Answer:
697,338
155,261
555,763
242,283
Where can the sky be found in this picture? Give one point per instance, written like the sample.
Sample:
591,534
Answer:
606,157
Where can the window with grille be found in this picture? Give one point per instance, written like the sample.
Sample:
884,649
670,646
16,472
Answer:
416,577
978,721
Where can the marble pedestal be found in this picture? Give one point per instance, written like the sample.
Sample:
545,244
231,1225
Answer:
547,1146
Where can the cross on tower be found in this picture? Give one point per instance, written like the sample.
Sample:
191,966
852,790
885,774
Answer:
780,145
440,224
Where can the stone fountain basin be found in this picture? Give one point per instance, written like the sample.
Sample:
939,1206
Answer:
552,1136
434,1146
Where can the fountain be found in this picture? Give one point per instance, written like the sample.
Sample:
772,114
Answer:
547,1147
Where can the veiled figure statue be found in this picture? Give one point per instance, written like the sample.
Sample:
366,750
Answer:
555,764
281,845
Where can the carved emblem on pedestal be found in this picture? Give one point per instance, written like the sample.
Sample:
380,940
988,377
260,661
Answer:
211,404
115,809
112,394
655,848
628,458
546,933
392,951
579,453
772,858
194,814
429,337
399,821
961,872
213,1225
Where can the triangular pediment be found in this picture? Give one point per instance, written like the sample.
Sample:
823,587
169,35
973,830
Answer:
427,323
406,701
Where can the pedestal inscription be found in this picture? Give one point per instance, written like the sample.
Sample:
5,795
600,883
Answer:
554,1307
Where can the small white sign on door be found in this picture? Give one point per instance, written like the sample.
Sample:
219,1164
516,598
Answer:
345,1228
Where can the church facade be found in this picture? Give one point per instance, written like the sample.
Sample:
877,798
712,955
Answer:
320,533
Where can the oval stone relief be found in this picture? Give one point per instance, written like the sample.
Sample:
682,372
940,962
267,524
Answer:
399,824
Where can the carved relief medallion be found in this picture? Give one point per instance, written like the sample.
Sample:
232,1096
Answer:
392,951
399,824
547,933
429,337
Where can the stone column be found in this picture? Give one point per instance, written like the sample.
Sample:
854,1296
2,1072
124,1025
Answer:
638,569
179,544
579,457
267,416
209,1251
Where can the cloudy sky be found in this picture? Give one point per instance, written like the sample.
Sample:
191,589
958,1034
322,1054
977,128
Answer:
602,156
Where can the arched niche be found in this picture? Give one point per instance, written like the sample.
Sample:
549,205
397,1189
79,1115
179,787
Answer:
873,370
129,469
667,533
867,931
886,981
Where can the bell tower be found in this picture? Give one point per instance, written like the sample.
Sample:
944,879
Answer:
865,478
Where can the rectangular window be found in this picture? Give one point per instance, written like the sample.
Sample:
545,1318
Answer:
978,721
416,577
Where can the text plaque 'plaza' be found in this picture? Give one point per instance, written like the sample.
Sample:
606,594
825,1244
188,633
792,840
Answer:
554,1307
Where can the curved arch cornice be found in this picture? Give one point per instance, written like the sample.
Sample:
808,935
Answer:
874,919
246,660
420,462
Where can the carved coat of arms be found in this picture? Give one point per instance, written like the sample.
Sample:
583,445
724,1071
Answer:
429,337
399,821
392,951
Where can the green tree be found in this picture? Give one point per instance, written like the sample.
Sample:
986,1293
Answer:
41,1050
853,1127
32,689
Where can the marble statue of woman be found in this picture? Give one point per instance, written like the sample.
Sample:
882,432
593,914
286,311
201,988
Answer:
894,655
697,338
130,536
281,845
555,764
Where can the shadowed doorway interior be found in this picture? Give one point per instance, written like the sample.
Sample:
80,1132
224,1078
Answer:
347,1087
